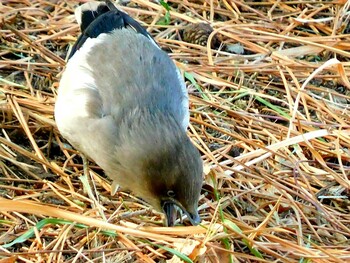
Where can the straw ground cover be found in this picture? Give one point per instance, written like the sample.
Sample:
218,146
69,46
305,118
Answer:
269,114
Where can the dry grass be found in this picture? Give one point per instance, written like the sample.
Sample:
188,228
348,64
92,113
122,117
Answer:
272,125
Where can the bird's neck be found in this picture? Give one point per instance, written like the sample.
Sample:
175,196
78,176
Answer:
148,134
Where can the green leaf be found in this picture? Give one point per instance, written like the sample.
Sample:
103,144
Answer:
190,77
165,5
30,233
235,228
164,21
6,222
8,82
271,106
172,251
225,240
232,225
308,245
253,250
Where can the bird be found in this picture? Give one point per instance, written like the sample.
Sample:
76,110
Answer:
123,103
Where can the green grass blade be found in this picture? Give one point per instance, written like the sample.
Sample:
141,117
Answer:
164,21
190,77
172,251
273,107
30,233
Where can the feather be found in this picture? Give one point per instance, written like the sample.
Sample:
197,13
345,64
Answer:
123,103
96,18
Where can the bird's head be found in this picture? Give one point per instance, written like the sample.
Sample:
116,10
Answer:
174,181
161,165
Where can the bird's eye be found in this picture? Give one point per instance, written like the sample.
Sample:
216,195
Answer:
171,193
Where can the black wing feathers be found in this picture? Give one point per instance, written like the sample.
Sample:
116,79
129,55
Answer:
104,19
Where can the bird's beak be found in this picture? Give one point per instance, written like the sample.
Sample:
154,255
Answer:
171,209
